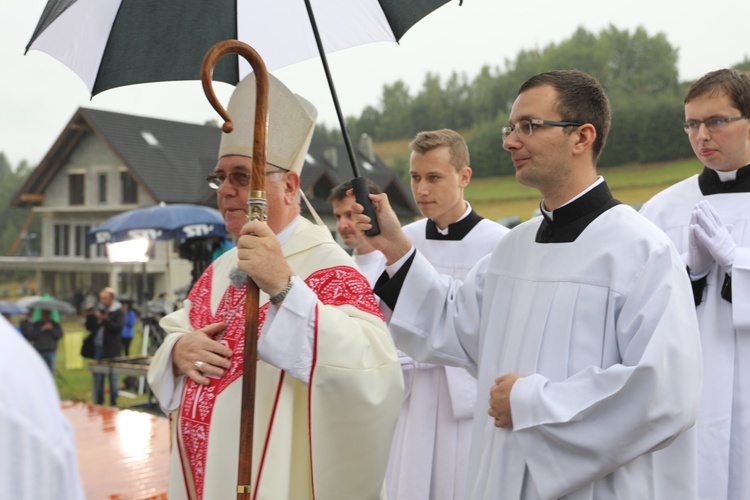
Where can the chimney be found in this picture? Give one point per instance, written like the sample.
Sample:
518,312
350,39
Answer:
331,156
365,147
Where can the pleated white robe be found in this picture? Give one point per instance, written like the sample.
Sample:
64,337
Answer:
602,332
429,457
724,417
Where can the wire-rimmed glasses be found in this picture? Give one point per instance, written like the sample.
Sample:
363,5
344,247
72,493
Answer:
528,125
713,124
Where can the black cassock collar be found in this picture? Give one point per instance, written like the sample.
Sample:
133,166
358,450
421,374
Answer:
569,221
456,231
709,182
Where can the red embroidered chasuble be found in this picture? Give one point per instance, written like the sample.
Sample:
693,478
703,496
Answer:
334,286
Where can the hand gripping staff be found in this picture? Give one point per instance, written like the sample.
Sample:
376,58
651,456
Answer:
256,211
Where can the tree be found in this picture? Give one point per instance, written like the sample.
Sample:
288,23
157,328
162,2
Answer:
395,119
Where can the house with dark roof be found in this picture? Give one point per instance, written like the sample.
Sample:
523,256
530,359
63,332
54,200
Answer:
104,163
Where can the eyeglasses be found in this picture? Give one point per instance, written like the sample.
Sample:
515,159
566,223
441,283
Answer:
236,179
713,124
528,126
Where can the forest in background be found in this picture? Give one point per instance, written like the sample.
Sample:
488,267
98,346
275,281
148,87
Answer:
638,70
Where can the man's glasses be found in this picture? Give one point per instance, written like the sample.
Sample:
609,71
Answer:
527,127
236,179
713,124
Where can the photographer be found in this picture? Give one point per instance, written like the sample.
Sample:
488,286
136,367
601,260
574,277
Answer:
105,321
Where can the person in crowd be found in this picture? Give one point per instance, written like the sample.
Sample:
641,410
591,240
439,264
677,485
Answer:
370,262
707,216
26,324
130,318
328,382
38,456
430,453
580,325
105,320
44,336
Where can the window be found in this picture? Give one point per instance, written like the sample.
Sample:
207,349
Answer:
102,188
75,189
82,249
62,239
129,188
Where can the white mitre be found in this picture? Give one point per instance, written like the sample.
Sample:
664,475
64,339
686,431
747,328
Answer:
291,123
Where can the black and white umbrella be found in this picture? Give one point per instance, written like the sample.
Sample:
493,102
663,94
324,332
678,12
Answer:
115,43
110,44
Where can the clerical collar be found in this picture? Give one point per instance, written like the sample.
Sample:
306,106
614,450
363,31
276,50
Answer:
571,219
551,215
456,231
710,182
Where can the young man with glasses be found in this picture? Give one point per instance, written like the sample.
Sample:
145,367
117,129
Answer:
707,216
328,382
579,326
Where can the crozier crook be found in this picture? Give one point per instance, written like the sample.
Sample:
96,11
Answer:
256,211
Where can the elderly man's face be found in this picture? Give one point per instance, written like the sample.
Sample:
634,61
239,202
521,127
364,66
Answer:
232,196
106,298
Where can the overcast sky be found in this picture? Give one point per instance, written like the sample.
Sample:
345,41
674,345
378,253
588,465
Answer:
38,95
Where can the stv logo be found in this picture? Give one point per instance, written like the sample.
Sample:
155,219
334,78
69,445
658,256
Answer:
197,230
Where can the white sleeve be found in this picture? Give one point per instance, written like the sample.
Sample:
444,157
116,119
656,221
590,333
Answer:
450,338
640,404
286,339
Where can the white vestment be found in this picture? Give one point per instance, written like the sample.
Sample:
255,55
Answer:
38,455
603,334
371,265
328,384
724,418
429,457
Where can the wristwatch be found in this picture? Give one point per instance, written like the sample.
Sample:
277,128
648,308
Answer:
282,294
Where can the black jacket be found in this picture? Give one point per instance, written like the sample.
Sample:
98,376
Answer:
112,329
45,340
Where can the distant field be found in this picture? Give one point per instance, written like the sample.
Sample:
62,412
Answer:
496,197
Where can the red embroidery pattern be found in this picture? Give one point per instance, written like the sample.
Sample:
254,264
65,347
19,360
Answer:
341,285
197,400
334,286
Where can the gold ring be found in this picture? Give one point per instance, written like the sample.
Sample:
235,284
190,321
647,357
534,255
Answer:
199,365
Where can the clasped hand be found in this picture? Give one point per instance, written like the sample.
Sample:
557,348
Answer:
500,400
709,240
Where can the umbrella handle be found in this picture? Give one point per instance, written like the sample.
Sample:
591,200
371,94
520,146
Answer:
256,211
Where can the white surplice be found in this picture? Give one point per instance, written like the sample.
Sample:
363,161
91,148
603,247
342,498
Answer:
724,418
602,331
429,457
38,454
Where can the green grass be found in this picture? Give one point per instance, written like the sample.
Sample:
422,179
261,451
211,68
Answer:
76,384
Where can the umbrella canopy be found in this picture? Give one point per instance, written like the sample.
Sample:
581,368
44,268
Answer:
53,305
12,309
25,301
115,43
161,222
